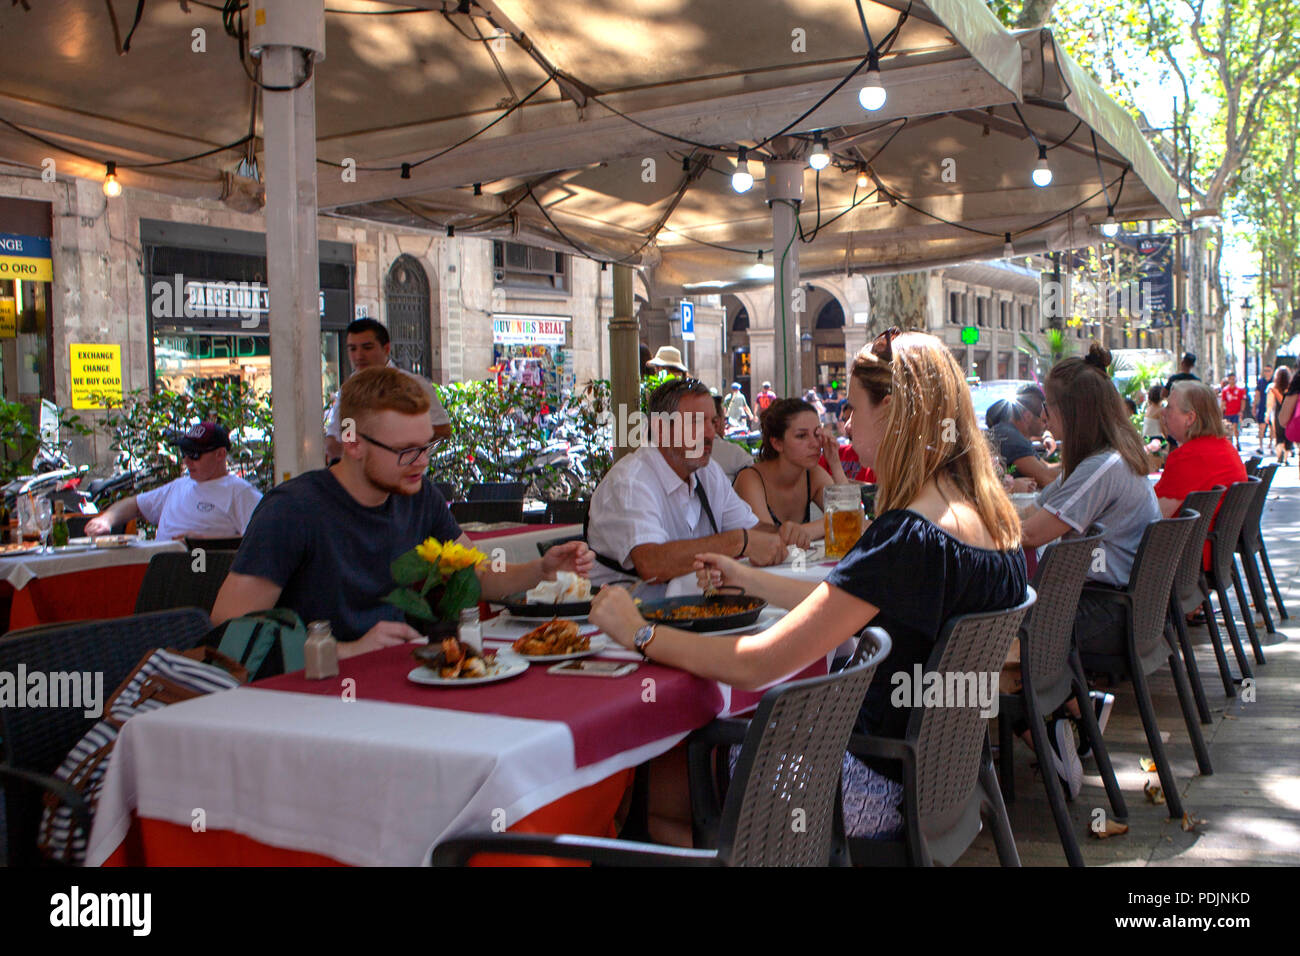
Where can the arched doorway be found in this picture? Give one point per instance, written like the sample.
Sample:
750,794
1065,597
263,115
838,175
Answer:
406,295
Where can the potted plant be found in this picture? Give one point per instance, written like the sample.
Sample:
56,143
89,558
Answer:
435,582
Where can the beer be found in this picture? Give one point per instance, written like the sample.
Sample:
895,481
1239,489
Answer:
843,518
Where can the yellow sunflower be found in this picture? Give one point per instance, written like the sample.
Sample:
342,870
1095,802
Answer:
430,550
456,556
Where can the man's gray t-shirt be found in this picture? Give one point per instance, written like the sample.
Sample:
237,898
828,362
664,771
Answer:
1011,445
1103,490
331,554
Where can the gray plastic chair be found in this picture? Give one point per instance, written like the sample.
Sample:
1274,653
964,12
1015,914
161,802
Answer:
1252,543
790,760
171,581
1223,538
1146,602
1050,677
948,779
1190,592
36,739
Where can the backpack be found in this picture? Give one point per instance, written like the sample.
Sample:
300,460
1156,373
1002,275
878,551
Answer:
162,677
266,643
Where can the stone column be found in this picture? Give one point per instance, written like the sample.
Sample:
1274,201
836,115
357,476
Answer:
625,359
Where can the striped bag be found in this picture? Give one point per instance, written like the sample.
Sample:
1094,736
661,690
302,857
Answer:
162,677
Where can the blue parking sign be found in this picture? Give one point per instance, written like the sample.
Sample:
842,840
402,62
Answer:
688,321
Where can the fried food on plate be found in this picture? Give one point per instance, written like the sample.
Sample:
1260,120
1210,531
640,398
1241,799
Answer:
553,637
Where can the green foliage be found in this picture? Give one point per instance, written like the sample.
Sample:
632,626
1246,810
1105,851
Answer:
495,433
462,590
21,440
137,428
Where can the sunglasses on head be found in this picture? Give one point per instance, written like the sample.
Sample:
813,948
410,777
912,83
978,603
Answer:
883,346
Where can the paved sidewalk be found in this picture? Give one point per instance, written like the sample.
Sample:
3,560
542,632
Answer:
1251,803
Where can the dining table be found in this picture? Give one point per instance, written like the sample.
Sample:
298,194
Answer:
515,541
370,767
75,582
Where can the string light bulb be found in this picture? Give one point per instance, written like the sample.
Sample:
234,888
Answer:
862,177
1008,251
112,188
1110,228
742,180
1042,174
872,95
819,158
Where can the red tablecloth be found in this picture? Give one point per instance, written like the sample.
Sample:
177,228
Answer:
93,593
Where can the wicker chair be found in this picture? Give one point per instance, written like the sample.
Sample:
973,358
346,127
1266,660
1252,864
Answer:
807,719
1252,543
497,491
488,512
171,581
1189,593
1148,646
1050,677
1223,538
37,739
948,779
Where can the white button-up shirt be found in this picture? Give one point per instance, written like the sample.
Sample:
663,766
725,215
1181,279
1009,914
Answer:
437,414
642,501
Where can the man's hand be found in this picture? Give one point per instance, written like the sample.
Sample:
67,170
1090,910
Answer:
572,556
383,634
1023,485
98,525
764,549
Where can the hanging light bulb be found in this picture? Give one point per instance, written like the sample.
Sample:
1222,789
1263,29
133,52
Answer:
1110,228
862,177
742,180
872,94
1007,249
112,188
819,158
1042,172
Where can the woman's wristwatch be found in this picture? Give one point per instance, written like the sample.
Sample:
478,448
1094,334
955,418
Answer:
642,638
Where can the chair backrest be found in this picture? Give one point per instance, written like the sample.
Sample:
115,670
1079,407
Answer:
38,738
1252,465
567,512
1188,574
780,809
497,491
172,580
948,740
214,544
1250,528
1151,582
487,512
1048,626
1228,524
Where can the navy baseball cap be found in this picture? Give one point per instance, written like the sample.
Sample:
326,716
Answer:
202,438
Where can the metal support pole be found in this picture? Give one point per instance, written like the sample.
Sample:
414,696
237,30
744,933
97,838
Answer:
624,360
293,262
784,195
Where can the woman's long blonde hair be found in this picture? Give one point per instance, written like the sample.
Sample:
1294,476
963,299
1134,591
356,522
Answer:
931,432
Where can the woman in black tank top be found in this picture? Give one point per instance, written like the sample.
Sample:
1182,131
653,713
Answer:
787,481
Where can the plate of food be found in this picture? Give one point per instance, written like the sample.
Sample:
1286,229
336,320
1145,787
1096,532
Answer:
453,664
558,640
568,596
112,540
13,550
710,612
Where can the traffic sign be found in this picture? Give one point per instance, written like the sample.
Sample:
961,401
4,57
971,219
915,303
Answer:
688,321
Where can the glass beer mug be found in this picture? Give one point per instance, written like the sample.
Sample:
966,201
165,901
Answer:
843,517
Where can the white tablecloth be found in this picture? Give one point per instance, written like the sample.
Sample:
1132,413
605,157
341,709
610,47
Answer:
20,571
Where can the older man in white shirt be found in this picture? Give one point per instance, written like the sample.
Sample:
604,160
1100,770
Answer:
668,501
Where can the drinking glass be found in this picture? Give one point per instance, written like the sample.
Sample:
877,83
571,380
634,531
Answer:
843,518
44,515
26,517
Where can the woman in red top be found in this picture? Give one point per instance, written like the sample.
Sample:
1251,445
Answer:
1204,457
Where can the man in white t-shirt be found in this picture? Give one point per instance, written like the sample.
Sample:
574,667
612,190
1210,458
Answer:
208,502
369,347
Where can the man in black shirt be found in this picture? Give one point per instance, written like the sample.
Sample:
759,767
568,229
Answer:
321,544
1184,372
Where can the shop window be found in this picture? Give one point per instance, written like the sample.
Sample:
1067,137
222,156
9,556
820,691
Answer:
516,265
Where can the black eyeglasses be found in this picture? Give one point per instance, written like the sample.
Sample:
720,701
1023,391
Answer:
405,456
195,455
883,347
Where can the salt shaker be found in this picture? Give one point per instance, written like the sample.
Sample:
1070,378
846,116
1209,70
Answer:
320,652
470,630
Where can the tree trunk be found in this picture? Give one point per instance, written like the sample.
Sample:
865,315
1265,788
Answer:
899,300
1034,14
